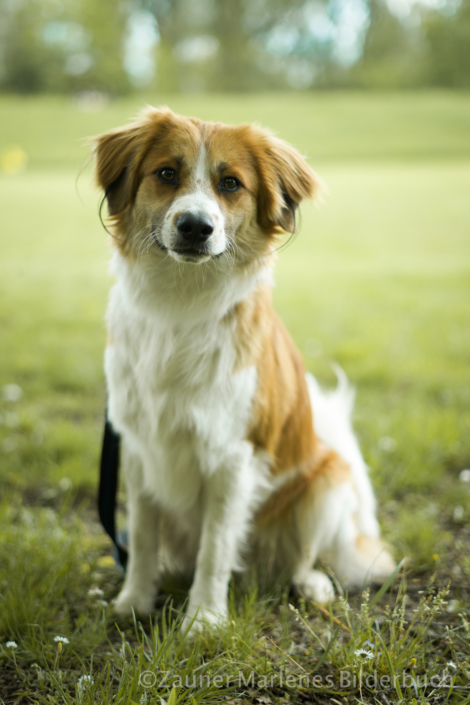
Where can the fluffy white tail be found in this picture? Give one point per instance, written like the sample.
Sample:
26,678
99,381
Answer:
332,422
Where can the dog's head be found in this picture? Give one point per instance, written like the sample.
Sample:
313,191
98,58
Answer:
198,190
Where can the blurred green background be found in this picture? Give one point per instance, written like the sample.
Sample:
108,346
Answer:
378,279
232,45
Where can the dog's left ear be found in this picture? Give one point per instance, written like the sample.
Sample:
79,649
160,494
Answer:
116,154
285,181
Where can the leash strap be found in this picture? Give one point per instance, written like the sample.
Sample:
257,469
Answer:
109,477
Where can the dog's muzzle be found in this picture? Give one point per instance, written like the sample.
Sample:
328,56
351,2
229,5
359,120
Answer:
193,230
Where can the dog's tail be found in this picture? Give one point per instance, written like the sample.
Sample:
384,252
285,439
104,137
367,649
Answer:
332,412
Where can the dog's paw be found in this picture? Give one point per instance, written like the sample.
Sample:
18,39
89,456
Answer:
128,600
196,619
315,586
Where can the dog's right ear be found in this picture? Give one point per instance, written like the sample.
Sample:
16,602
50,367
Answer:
118,156
285,181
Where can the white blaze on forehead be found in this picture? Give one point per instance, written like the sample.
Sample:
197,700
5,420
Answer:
201,197
201,172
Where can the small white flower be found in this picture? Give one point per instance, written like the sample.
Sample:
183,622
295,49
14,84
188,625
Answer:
95,592
295,611
11,645
451,664
101,603
61,640
84,682
363,652
464,476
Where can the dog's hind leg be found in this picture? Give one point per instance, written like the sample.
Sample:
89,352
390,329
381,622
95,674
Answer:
318,515
142,577
326,521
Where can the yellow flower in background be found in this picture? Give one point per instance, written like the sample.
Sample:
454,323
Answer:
106,562
13,160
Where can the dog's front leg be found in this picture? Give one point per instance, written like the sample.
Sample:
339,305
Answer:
227,507
141,582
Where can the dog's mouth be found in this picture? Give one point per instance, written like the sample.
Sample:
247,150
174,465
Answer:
192,253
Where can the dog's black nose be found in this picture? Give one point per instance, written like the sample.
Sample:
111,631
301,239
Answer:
196,228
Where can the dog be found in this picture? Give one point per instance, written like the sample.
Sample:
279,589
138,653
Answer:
232,454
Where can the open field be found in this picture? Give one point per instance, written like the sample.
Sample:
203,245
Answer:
378,280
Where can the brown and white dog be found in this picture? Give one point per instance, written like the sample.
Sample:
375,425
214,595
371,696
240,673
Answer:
229,449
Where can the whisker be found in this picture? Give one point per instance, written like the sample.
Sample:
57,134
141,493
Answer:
162,260
174,278
144,246
144,240
214,262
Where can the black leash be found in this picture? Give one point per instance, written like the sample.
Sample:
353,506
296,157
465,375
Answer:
109,475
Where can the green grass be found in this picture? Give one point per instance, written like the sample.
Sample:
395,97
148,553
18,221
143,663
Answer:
328,127
378,280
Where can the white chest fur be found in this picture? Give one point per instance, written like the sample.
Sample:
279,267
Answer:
175,397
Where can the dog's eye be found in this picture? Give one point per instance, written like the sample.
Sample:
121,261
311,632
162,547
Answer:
167,175
230,183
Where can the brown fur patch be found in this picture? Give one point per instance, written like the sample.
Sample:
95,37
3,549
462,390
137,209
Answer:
284,179
327,468
282,418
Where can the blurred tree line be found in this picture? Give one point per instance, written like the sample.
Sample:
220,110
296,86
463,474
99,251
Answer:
115,46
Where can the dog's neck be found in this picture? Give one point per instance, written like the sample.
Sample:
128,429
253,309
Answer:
186,294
